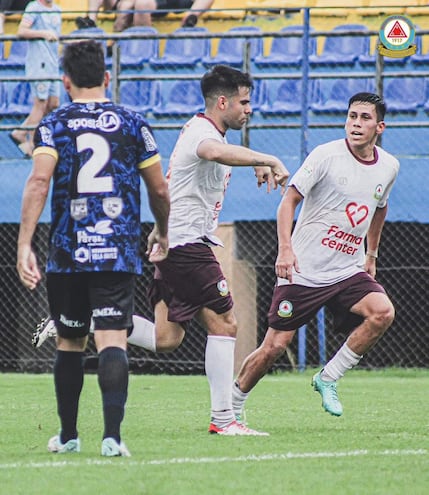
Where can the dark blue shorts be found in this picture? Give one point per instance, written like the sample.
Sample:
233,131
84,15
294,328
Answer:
188,280
107,297
295,305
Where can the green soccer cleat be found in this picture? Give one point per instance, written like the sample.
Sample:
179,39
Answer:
328,391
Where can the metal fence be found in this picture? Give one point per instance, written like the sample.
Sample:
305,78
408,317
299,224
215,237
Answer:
297,106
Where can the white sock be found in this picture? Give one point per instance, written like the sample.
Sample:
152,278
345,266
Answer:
219,364
345,359
143,334
238,399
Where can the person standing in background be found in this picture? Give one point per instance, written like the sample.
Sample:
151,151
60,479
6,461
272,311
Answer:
41,25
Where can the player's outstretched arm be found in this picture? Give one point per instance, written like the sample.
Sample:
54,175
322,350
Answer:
268,168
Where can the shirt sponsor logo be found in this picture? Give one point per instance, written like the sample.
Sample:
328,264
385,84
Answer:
107,122
345,242
285,309
356,213
148,139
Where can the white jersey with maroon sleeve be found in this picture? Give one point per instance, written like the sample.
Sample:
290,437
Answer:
197,187
341,194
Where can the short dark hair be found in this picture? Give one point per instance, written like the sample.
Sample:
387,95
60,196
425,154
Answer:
380,106
225,80
83,62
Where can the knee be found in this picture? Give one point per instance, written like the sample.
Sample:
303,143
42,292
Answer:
383,317
170,341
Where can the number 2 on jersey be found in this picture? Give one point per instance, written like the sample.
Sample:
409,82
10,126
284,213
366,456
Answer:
87,180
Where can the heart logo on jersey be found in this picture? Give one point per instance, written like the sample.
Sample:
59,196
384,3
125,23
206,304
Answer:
356,214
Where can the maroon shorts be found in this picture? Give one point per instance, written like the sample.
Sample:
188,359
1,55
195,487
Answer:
294,305
188,280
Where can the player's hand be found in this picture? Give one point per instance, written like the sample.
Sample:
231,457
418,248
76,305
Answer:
50,35
280,175
28,271
370,266
286,262
263,176
157,246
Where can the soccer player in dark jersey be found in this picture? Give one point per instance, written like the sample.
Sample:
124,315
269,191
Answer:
95,153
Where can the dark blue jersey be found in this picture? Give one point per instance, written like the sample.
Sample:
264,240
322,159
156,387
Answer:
95,209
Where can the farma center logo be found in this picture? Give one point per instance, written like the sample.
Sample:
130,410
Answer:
396,36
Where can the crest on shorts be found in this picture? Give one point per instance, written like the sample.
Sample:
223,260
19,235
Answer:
222,287
396,36
285,309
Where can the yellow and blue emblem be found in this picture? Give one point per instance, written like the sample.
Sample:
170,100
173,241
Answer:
397,35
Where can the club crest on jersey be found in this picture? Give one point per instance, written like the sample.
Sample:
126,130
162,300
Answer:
222,287
285,309
78,208
378,193
112,207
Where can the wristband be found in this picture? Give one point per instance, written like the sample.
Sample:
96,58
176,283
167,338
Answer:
372,253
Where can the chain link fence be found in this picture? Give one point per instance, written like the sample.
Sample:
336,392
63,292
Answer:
298,104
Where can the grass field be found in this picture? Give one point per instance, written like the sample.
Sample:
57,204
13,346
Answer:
378,447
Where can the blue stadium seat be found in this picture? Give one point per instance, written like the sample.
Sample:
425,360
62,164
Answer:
230,50
184,99
405,94
16,58
259,94
20,99
340,93
185,52
343,49
140,95
4,98
135,52
288,98
286,52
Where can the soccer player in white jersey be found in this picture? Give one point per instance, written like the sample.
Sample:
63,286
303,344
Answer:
344,187
189,282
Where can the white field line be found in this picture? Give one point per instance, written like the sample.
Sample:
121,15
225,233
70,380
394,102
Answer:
70,460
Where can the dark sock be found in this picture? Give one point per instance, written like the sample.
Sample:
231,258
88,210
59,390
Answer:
68,379
113,381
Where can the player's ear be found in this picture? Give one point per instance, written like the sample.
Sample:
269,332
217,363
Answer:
67,83
106,79
381,125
